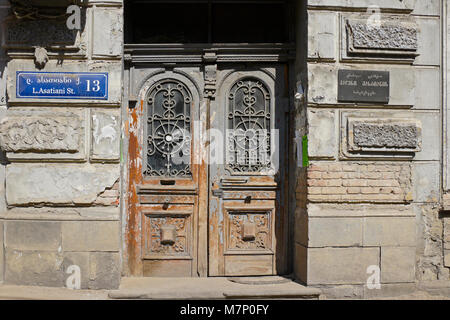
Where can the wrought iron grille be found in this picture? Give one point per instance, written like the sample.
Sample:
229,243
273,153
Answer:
248,131
168,129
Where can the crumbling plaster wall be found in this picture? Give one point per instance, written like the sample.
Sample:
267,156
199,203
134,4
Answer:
60,201
368,207
4,7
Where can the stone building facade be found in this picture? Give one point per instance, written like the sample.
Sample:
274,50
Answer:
374,195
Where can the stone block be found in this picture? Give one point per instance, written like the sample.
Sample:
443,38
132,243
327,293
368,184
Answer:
390,291
426,182
104,270
105,136
427,8
429,41
34,268
87,236
398,264
340,265
343,292
57,184
322,27
403,86
322,87
446,226
80,259
335,232
428,88
107,38
33,235
358,211
322,137
389,231
447,258
431,128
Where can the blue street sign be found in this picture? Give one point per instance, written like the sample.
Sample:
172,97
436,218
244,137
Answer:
62,85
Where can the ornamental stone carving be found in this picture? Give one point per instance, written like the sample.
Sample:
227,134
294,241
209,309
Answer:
39,134
384,135
389,38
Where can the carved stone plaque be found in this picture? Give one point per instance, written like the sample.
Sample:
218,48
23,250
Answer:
384,135
363,86
388,37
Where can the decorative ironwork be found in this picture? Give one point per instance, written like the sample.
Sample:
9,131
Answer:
169,129
248,134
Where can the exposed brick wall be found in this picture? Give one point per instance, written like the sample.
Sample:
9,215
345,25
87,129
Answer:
353,182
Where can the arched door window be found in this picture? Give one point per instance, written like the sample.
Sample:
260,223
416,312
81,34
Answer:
248,127
168,129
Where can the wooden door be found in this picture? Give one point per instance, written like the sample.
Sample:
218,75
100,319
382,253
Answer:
166,177
188,184
247,207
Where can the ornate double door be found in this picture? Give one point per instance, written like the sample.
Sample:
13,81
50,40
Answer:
207,174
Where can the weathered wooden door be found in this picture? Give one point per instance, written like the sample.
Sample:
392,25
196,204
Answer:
166,177
247,222
205,170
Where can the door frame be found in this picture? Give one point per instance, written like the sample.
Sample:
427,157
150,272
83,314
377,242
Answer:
207,57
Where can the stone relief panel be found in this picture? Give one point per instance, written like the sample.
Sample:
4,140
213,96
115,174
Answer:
378,136
362,36
43,135
40,135
393,37
384,135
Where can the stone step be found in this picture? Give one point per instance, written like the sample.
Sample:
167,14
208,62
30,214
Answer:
212,288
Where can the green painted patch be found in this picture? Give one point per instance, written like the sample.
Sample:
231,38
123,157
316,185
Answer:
305,152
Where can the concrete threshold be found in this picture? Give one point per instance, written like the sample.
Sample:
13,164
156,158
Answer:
212,288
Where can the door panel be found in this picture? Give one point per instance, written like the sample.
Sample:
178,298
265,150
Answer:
163,191
247,212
